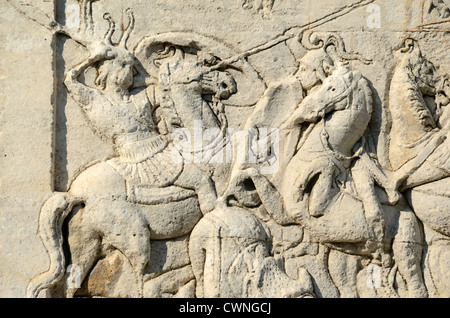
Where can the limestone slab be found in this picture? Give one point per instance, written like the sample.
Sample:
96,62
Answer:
226,148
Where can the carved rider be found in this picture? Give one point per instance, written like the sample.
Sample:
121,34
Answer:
125,119
327,156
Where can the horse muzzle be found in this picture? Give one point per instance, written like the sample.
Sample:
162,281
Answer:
220,84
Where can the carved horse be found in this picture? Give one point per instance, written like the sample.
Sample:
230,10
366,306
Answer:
203,131
334,190
104,212
419,156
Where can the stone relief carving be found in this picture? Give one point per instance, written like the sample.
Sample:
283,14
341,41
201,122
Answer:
439,8
420,159
329,221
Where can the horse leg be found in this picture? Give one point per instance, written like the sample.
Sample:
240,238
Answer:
197,254
343,270
120,228
407,249
85,247
194,178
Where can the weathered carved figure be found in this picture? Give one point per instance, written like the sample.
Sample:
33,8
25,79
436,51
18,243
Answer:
139,194
341,189
277,103
335,168
328,144
440,7
419,150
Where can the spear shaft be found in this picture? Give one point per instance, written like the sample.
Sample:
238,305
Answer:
44,20
293,32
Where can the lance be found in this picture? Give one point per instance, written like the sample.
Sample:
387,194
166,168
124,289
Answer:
290,34
43,19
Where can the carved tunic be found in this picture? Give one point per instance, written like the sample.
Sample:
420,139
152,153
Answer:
145,157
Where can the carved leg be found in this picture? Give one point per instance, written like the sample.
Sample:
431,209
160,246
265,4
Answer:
343,270
197,253
123,228
315,178
407,248
194,178
85,247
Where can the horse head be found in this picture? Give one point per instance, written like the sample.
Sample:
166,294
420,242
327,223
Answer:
180,67
332,95
191,87
218,83
413,117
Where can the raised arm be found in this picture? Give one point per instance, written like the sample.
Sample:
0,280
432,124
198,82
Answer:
80,92
99,48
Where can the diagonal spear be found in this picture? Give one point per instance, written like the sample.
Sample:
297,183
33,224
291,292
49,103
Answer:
291,33
40,17
43,19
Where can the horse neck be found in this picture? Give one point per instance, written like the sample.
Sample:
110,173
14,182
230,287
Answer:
406,104
191,107
345,129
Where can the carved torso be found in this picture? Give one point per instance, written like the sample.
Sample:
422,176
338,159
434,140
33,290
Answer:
121,121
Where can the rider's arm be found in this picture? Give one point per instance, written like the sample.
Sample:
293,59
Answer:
83,94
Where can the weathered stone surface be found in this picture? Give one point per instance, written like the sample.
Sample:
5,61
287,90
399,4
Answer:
227,148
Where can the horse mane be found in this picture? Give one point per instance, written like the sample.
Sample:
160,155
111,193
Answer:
409,74
365,94
414,95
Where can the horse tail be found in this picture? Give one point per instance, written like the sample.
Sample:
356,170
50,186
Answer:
51,219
